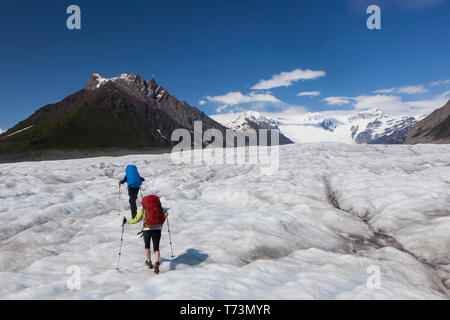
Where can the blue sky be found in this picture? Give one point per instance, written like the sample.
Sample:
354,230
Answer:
231,55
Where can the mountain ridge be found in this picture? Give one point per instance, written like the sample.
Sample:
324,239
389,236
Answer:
252,120
123,112
435,128
151,92
362,127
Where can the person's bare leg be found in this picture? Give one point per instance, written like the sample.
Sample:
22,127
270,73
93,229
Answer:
147,254
157,256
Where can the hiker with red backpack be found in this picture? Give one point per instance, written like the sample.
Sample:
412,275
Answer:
134,182
154,216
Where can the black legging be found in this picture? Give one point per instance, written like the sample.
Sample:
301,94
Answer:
155,235
133,193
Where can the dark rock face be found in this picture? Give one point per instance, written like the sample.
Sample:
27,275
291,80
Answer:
122,112
433,129
381,128
394,133
150,92
329,124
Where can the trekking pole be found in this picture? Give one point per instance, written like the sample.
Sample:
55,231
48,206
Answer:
170,239
120,250
119,199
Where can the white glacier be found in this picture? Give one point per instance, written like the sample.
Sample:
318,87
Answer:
236,233
327,126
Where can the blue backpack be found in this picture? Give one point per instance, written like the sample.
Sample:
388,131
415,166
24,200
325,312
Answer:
133,178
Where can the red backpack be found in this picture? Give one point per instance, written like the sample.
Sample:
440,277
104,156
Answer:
153,212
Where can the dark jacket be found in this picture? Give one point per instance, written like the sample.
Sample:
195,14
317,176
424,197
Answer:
125,180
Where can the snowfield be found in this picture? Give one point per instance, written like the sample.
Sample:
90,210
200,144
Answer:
336,221
364,127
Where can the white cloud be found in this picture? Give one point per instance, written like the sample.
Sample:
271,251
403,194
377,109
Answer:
412,89
285,79
392,104
390,90
337,101
309,94
406,90
427,106
388,103
439,83
292,110
202,102
1,130
235,98
221,108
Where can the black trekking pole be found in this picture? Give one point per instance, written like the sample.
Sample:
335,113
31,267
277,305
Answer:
120,250
170,239
119,199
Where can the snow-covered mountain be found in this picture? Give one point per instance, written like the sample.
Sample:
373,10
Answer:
256,121
242,122
335,221
365,127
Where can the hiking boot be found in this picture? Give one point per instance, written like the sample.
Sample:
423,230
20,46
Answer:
157,267
149,264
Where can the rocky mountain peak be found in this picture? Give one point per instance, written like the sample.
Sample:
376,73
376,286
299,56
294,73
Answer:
125,111
250,118
96,80
253,120
132,83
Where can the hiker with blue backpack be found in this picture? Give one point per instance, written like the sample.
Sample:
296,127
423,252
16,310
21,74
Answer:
134,182
152,214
